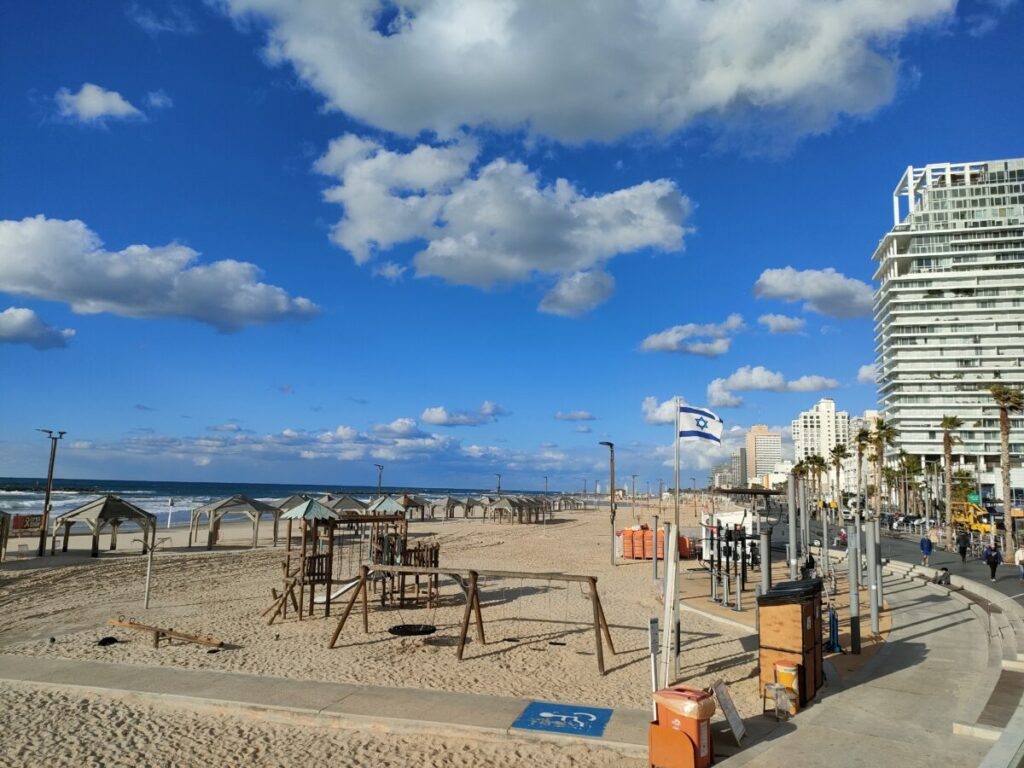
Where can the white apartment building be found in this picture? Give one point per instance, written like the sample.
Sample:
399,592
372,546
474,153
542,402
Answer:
820,429
949,310
764,450
849,468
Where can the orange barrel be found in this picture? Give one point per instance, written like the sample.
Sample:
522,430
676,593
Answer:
648,544
681,736
684,547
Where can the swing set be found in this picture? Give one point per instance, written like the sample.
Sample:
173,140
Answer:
468,581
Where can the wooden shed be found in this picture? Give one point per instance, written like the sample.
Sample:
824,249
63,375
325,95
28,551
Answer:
105,512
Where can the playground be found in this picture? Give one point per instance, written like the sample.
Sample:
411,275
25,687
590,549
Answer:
533,629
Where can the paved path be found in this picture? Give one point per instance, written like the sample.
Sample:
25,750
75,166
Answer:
309,701
900,709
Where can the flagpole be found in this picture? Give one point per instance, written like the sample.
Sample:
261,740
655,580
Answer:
675,561
675,439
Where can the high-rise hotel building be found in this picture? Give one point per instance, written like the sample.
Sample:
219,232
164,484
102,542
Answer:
949,310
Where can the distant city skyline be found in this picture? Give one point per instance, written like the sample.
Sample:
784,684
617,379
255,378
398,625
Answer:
285,242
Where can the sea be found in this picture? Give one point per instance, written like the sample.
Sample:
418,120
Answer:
172,502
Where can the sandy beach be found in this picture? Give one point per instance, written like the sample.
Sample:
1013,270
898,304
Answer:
222,594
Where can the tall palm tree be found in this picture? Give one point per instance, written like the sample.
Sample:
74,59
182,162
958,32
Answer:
949,425
817,465
882,436
837,455
1008,400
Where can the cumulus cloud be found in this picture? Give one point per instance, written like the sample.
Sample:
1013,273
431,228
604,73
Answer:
583,428
708,339
19,325
574,416
440,416
578,293
60,260
94,104
824,291
229,426
758,378
496,224
390,271
782,323
867,374
659,412
645,65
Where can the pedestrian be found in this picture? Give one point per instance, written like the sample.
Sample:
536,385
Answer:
926,549
1018,559
963,541
994,559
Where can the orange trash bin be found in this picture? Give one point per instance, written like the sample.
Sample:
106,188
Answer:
681,736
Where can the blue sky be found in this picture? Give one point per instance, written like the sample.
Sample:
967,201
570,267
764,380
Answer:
293,239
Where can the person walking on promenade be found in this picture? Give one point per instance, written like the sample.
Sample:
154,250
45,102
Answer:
994,559
963,541
1018,559
926,549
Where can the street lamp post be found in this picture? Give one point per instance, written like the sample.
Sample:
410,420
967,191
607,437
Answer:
380,477
611,491
498,475
49,486
545,484
634,496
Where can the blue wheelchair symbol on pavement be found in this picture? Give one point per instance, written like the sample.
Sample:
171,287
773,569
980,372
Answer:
563,718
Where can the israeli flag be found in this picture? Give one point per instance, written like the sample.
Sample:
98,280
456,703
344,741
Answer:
699,424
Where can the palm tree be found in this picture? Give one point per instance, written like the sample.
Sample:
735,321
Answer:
817,465
1008,400
883,436
949,425
838,454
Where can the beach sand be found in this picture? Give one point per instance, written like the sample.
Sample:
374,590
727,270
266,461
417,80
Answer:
222,594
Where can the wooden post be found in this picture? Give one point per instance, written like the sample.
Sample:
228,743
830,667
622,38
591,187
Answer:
604,622
469,610
361,589
597,624
302,571
256,529
277,522
113,535
330,571
288,544
96,540
64,543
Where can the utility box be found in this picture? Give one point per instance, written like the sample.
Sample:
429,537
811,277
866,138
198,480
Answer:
681,736
790,630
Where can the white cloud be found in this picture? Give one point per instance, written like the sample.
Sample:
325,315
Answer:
19,325
439,416
708,339
578,293
659,413
646,65
402,427
824,291
867,374
583,428
782,323
758,378
202,461
175,21
159,100
93,104
61,260
390,271
229,426
82,445
574,416
497,224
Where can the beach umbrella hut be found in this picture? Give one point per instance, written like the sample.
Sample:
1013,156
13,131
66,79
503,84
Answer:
106,511
468,502
311,509
447,506
386,505
292,501
410,503
237,504
347,505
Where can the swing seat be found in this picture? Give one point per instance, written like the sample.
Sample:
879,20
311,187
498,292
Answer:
412,630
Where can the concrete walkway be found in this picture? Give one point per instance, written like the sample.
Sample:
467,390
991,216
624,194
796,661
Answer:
310,702
934,671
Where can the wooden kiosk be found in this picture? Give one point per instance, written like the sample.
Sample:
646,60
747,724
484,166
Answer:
790,630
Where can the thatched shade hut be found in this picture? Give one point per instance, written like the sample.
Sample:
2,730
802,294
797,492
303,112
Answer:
106,511
237,504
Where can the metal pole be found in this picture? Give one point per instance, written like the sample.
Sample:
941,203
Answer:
869,528
791,502
634,497
804,527
878,561
611,493
49,487
853,575
149,574
654,546
380,478
825,549
766,561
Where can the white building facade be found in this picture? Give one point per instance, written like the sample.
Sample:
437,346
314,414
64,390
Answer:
949,310
764,450
820,429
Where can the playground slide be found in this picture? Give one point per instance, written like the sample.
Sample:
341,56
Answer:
345,587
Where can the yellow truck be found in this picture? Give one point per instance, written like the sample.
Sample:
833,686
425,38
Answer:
967,515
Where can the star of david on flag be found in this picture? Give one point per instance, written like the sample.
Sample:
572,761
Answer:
699,424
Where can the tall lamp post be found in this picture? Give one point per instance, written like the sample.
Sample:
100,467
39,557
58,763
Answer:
498,475
545,483
380,477
634,495
49,485
611,490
